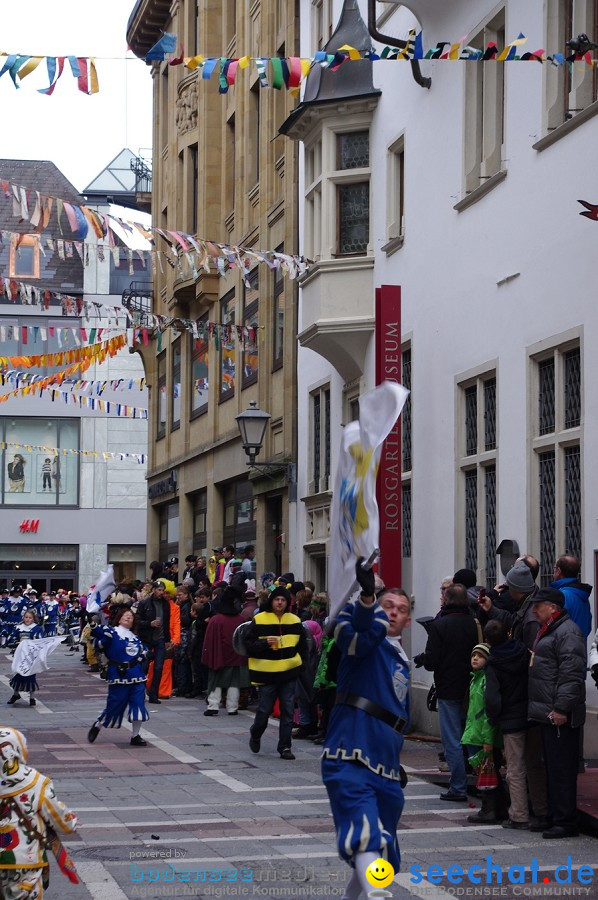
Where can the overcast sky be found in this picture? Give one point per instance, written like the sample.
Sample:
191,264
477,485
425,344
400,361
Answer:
80,134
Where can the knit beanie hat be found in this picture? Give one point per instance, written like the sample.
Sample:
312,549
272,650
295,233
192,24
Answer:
521,579
484,649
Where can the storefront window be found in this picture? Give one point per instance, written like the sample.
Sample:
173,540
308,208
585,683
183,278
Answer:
40,462
128,561
46,567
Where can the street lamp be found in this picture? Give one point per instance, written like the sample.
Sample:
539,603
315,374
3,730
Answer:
252,428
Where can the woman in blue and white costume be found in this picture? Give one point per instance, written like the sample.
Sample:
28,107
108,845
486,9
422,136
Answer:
126,678
26,630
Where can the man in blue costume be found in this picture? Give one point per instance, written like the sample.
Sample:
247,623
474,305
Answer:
361,754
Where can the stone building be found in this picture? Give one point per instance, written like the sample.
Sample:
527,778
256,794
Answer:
221,172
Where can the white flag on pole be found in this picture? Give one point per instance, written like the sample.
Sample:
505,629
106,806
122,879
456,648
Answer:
101,590
355,525
30,657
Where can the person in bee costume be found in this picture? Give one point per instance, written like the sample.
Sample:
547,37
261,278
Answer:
28,806
126,678
361,751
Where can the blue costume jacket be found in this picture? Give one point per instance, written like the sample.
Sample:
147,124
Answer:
371,667
124,651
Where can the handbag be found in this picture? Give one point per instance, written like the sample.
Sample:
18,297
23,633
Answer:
432,699
487,775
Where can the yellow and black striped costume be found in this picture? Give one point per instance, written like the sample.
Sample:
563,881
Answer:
273,666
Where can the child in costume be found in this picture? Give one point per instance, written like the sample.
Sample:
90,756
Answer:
126,678
27,630
28,804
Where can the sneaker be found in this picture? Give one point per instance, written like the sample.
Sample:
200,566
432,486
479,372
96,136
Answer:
286,754
254,745
234,713
93,733
13,699
210,712
519,826
453,796
138,741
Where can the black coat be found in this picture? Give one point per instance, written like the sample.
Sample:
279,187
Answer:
146,613
506,686
523,623
451,638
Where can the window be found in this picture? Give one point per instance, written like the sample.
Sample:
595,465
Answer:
199,370
251,295
484,109
240,507
569,90
313,200
395,213
161,397
477,464
278,308
320,440
200,522
128,561
164,117
406,461
24,256
253,131
556,443
227,346
169,529
175,406
229,174
230,8
37,467
353,193
194,195
321,23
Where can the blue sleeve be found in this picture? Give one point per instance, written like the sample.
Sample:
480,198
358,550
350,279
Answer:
360,628
103,635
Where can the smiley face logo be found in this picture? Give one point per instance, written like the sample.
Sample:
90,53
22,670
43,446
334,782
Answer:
380,873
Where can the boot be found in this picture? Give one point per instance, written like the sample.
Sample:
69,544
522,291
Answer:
488,814
13,699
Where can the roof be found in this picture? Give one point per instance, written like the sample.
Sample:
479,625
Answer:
41,175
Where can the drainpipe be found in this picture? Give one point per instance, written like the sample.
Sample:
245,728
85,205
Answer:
394,42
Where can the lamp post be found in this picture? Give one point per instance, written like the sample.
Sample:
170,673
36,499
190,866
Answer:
252,425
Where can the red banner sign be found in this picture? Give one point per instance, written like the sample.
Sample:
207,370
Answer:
388,368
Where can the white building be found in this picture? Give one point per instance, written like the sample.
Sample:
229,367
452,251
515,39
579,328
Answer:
464,195
60,528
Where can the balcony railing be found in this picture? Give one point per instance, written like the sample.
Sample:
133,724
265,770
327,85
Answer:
138,298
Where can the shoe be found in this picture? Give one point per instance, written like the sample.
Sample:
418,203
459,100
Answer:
254,745
559,831
304,731
319,740
188,696
518,826
93,733
453,796
443,766
210,712
138,741
151,700
235,713
482,818
32,701
13,699
94,668
286,754
541,825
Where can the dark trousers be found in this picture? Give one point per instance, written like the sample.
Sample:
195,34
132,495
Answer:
266,698
561,757
158,653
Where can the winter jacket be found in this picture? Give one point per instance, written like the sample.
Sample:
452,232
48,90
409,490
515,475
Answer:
557,674
577,602
451,638
478,730
275,665
146,613
506,686
523,623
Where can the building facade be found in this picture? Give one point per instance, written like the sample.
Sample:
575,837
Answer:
464,196
69,514
221,172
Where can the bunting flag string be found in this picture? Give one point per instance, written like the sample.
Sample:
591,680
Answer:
286,72
23,379
94,352
93,386
82,68
80,400
102,455
67,336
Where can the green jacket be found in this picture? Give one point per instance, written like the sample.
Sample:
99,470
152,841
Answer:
478,730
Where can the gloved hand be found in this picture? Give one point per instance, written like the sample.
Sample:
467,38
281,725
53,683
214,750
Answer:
419,660
594,673
366,578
